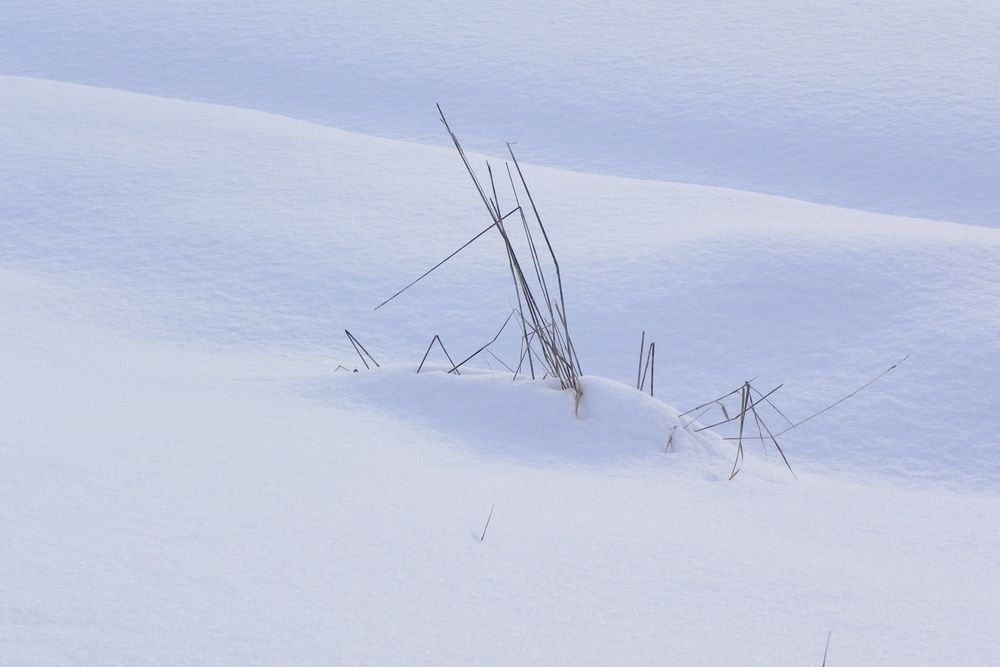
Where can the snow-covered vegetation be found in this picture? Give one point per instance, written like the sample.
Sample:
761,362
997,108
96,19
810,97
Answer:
190,476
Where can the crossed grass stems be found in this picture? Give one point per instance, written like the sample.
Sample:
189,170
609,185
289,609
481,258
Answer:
750,399
541,317
546,344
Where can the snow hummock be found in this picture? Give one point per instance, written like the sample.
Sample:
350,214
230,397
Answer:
528,420
188,478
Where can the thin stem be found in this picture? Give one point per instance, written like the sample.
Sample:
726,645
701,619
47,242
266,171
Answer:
486,527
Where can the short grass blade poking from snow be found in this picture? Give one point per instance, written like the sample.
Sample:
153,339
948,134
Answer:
486,527
650,369
437,339
670,440
357,344
827,649
642,350
744,401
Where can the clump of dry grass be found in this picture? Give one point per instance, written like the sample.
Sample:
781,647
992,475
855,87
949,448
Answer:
534,270
360,349
751,399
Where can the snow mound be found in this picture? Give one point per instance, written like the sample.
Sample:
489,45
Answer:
535,421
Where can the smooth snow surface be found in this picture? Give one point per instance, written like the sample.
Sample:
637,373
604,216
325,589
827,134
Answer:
176,504
237,227
889,106
186,477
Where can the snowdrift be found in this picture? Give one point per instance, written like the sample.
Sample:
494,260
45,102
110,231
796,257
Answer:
228,227
186,477
535,422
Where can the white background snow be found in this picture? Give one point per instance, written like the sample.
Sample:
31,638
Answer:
185,479
888,106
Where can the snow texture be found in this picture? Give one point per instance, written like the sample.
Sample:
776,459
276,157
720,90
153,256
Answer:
187,477
239,227
888,106
168,503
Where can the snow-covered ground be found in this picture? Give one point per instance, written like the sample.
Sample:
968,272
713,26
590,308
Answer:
887,106
165,504
187,478
235,227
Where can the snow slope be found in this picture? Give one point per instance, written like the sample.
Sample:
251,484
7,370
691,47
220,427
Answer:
237,227
887,106
186,478
163,504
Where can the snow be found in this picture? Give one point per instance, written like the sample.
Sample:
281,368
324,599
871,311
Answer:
229,226
613,424
887,106
187,478
165,504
